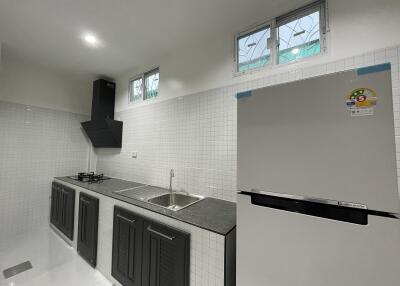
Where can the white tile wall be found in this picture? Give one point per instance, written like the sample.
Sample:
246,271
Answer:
196,134
36,144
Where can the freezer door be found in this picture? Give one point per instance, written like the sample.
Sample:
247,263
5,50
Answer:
300,138
281,248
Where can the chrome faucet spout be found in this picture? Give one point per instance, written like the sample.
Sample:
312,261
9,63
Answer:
171,175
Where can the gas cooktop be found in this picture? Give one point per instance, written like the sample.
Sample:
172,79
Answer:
90,177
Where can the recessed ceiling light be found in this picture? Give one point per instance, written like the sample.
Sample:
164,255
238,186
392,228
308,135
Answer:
90,39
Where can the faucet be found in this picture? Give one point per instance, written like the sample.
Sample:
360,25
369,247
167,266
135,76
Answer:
171,197
171,175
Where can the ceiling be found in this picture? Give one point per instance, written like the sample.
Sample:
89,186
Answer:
131,32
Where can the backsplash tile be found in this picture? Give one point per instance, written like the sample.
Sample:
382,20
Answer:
196,134
36,144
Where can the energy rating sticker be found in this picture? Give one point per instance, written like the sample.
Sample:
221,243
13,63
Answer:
361,102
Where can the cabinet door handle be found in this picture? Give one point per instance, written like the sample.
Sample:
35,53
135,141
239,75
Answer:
126,219
160,234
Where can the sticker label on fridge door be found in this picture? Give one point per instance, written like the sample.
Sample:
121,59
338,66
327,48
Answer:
361,101
362,112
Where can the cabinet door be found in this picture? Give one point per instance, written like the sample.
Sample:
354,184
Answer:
88,228
62,209
127,247
165,256
65,204
54,204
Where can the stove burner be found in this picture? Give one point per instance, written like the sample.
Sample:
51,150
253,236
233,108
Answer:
90,177
96,178
84,176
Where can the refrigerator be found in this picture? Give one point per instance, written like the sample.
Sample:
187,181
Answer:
318,199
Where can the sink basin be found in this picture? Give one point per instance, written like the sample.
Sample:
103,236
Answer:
175,201
141,192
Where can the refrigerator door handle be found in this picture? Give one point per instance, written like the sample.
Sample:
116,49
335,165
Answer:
308,199
310,208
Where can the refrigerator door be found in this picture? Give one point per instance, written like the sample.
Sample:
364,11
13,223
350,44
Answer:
300,138
281,248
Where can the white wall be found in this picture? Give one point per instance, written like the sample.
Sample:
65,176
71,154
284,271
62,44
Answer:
37,143
33,85
356,26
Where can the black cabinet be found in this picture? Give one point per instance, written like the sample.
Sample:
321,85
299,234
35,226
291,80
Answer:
147,253
88,228
165,256
127,247
62,209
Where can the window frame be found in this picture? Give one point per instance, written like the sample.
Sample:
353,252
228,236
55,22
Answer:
273,45
131,80
144,87
251,30
142,76
297,14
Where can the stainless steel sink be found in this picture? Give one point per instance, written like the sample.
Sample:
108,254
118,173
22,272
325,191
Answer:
175,201
141,192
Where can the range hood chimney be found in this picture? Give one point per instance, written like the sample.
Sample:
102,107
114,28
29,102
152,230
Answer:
102,129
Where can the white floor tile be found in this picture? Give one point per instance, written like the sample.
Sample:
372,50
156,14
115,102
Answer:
54,262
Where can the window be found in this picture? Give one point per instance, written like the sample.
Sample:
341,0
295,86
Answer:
135,90
252,49
299,36
144,86
291,37
151,84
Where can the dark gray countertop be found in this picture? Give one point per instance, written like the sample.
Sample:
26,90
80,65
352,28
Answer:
215,215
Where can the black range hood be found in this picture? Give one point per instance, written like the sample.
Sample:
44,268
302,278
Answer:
102,129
